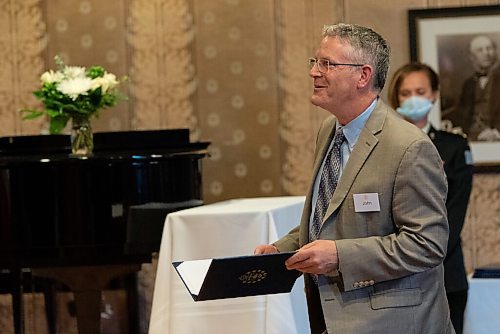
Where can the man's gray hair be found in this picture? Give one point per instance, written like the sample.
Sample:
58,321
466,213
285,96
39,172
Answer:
368,48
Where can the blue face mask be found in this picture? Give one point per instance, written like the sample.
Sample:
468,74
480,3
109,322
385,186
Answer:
415,108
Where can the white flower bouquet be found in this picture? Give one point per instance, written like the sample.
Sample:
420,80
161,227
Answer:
74,92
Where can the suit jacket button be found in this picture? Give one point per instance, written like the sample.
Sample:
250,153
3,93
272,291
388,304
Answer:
355,285
372,282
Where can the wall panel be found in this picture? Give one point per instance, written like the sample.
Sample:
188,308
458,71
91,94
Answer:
22,41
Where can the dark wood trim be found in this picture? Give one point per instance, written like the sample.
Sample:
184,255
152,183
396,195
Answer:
487,169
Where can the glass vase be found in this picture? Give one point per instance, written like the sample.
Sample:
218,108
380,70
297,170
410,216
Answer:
82,140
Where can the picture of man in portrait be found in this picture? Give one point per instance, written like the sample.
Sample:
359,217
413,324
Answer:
478,108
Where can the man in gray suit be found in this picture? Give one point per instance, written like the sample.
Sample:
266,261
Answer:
372,259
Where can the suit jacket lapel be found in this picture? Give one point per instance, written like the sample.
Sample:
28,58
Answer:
364,146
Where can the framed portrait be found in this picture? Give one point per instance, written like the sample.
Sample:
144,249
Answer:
462,45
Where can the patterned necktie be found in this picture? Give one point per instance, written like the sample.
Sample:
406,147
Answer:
327,183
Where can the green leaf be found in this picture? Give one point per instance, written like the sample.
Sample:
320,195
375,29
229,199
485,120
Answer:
31,114
95,72
52,112
58,123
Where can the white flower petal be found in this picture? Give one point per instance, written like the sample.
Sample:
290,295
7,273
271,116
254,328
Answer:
75,87
51,76
106,82
73,72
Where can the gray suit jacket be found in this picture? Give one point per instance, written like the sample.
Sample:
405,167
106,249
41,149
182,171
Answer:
391,274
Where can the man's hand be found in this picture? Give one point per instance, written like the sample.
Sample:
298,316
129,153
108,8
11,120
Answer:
265,249
317,257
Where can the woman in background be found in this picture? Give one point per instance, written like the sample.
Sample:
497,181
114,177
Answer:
412,92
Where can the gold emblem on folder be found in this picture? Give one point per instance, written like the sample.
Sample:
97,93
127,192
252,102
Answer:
253,276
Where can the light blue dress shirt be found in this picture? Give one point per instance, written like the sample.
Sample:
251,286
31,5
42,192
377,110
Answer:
351,131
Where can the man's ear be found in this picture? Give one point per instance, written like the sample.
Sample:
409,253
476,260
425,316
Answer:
366,76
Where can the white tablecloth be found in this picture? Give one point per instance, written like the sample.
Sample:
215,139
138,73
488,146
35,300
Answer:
482,314
229,228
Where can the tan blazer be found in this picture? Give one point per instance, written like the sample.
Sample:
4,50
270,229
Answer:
391,274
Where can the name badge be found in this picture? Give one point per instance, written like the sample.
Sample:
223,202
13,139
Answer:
366,202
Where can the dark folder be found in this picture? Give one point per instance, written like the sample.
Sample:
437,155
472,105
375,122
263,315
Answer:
241,276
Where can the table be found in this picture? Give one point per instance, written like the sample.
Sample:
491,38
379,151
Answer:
229,228
482,314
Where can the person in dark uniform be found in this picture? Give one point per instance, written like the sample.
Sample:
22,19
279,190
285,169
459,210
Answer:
412,92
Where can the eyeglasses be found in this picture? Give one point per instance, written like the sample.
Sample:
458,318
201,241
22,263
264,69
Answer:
325,64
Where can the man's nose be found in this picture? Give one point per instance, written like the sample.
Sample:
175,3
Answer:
314,71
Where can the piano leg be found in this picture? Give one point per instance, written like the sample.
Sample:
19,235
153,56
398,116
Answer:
87,283
49,300
17,300
17,280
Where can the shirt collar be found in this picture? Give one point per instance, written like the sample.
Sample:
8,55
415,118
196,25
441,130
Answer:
353,128
427,128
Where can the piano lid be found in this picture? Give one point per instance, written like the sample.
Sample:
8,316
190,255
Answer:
103,141
17,145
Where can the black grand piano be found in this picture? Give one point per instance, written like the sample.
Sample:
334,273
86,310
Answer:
86,220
